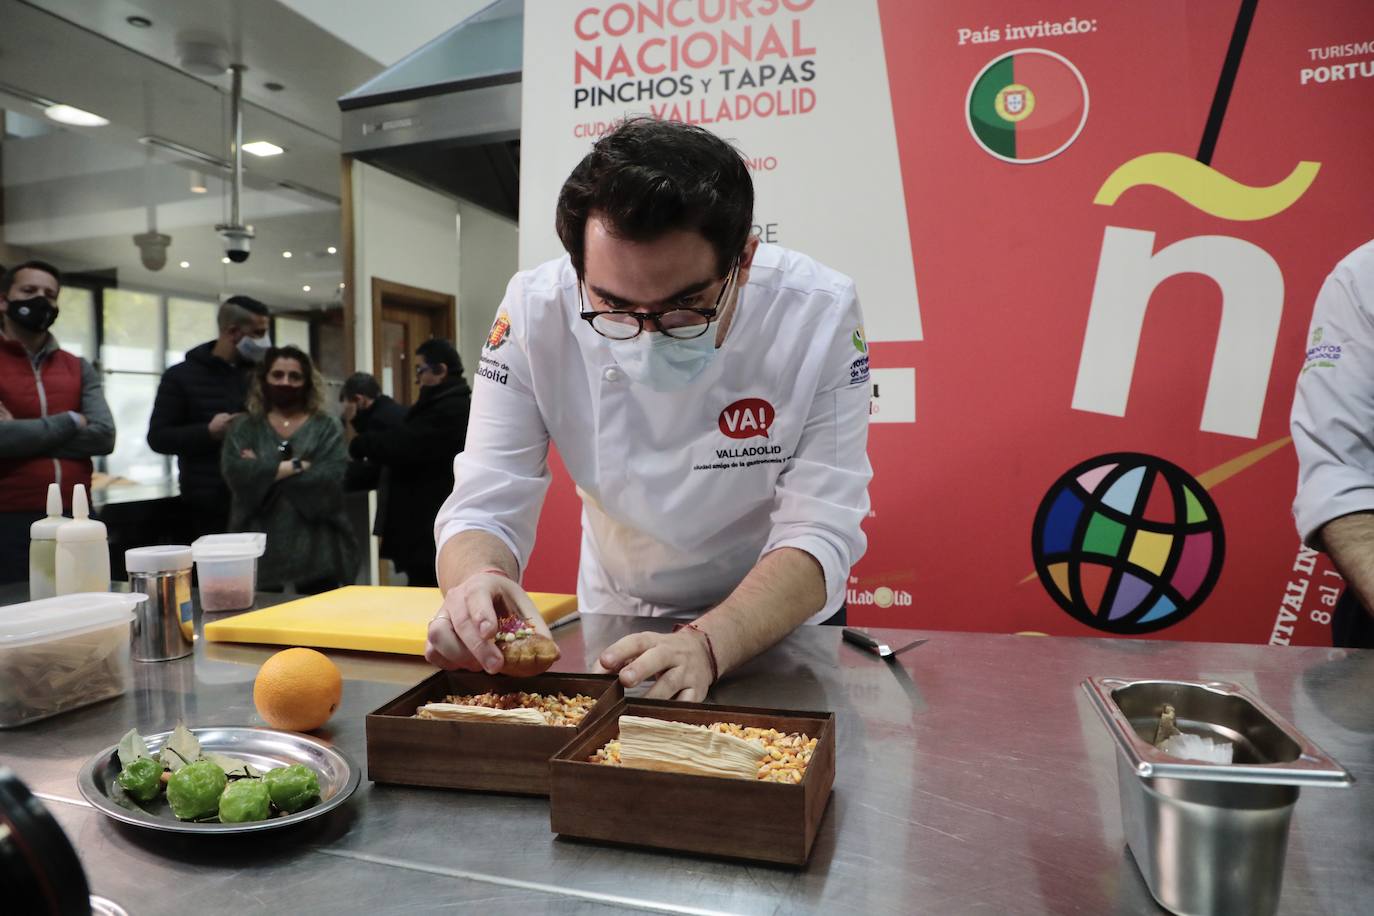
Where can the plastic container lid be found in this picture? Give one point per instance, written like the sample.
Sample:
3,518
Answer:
81,527
159,559
243,546
66,615
45,529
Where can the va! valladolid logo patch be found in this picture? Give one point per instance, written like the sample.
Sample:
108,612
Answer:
747,418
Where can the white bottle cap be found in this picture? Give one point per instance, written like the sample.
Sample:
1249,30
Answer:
160,559
45,529
82,527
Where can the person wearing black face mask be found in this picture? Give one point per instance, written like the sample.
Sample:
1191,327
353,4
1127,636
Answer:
197,399
53,415
418,457
365,409
284,463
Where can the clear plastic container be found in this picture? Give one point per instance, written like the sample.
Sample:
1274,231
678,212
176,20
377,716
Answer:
62,653
227,566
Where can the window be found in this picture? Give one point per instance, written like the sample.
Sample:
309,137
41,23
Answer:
75,325
130,396
190,323
293,332
132,339
131,356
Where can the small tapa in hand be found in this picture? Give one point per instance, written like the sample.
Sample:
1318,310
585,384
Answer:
527,651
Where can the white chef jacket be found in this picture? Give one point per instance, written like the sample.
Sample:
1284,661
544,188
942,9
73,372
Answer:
683,491
1333,409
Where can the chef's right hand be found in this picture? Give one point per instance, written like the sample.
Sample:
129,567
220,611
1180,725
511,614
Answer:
462,634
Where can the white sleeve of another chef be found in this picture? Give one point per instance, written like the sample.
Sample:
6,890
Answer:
501,475
1333,409
822,496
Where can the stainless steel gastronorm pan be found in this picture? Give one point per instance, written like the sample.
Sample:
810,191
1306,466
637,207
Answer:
1209,838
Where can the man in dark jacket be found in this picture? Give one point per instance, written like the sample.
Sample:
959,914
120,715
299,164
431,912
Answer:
365,409
418,457
196,401
53,415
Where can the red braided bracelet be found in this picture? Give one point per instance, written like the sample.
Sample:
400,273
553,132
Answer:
710,649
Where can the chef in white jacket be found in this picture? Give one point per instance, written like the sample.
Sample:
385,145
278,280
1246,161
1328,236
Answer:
1333,433
709,396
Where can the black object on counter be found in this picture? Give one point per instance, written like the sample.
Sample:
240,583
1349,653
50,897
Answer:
882,650
39,869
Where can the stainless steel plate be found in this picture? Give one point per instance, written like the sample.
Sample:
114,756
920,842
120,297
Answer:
264,748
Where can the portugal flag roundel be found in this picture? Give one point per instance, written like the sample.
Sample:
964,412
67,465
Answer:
1027,106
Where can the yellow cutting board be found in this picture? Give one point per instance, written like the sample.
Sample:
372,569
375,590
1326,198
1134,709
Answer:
366,617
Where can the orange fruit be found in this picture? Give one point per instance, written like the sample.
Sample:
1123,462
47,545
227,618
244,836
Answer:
297,690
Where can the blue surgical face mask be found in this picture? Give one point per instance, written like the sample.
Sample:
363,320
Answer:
254,349
665,363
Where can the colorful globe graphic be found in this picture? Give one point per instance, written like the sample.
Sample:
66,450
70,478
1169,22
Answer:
1128,543
1027,106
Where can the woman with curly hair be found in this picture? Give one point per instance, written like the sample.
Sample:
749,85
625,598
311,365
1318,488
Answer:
284,462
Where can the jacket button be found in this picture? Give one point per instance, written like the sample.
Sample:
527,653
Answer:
612,374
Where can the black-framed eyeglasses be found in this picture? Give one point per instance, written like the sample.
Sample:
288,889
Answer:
421,369
681,323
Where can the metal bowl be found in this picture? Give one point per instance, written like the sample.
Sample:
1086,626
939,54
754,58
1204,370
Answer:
264,748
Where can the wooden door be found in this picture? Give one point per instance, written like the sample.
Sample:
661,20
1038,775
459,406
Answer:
403,317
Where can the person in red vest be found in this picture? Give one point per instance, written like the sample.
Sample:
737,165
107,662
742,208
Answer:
53,415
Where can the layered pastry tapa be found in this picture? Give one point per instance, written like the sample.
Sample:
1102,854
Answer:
517,708
720,749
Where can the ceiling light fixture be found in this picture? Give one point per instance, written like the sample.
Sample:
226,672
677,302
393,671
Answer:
224,260
139,22
286,254
332,250
185,264
263,148
273,87
198,185
76,117
306,288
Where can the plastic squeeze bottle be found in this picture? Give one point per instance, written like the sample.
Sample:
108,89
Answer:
43,548
83,550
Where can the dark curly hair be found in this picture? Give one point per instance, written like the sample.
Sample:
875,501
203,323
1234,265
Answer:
648,177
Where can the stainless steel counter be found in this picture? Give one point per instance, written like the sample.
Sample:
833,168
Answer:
971,778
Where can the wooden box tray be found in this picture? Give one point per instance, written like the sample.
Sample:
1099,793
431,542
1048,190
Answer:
484,756
713,815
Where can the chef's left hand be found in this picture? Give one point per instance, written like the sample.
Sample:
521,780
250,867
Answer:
677,660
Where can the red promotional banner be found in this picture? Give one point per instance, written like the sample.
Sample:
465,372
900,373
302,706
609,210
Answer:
1119,225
